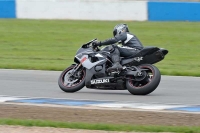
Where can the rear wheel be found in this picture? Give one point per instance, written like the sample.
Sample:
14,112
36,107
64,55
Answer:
72,82
147,84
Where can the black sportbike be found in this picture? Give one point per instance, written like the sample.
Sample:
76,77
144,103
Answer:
138,75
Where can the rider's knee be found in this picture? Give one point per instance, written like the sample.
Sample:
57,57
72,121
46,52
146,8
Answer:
111,49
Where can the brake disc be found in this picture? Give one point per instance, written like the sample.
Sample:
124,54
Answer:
68,78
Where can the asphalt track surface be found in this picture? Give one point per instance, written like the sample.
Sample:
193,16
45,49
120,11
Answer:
36,83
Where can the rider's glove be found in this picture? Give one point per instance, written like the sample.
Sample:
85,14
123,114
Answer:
97,43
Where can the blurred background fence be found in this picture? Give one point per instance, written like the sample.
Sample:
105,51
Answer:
134,10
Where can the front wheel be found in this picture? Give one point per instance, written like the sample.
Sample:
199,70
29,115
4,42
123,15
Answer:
148,84
70,81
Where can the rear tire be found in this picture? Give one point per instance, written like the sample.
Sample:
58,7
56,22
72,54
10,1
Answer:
64,83
149,85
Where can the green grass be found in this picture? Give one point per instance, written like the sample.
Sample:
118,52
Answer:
51,44
106,127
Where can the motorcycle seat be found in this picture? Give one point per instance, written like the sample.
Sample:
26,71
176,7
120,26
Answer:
145,51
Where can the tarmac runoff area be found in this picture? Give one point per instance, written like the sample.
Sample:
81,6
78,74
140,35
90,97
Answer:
98,112
21,129
68,110
89,115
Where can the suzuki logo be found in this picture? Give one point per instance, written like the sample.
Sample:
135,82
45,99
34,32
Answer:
99,81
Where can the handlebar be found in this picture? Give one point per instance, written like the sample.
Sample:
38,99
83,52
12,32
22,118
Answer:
90,44
96,48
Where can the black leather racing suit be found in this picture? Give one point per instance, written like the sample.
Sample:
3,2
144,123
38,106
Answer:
131,44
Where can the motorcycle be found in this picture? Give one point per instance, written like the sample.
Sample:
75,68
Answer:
139,76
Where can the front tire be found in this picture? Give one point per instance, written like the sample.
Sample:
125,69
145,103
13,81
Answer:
146,86
69,83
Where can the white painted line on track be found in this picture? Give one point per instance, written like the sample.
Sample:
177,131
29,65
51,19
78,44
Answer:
138,106
115,101
100,104
4,99
9,98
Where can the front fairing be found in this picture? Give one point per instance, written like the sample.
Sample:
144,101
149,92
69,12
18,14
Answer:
83,54
86,62
82,50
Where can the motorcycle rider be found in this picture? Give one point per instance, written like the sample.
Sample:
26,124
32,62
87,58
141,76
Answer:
130,45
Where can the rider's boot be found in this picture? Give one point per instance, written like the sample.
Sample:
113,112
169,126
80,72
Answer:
115,56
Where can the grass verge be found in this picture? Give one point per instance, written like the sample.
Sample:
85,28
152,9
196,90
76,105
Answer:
106,127
51,44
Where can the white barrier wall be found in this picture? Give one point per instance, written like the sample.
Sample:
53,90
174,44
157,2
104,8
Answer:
82,9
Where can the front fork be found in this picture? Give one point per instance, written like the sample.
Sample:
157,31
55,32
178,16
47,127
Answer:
77,66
